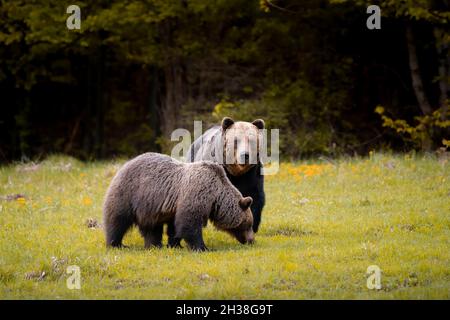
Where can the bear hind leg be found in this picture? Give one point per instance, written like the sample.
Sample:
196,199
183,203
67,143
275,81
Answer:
115,228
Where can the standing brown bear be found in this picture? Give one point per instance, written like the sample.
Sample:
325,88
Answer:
236,146
153,189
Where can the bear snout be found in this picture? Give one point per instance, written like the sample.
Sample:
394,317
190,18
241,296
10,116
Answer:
245,158
251,238
243,236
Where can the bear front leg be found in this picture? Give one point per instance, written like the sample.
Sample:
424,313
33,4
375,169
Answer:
195,242
173,241
189,225
193,237
152,236
256,208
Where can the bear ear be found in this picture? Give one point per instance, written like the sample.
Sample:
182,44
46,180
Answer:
226,123
246,202
259,123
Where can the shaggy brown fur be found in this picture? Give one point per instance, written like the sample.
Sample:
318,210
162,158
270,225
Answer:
153,189
234,145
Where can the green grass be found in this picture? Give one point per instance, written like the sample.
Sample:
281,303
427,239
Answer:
323,225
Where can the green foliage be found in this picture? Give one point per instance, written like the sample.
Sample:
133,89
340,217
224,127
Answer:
429,10
420,133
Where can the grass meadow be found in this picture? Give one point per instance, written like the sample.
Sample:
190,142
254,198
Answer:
325,222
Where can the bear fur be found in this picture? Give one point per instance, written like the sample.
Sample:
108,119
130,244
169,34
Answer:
229,145
153,189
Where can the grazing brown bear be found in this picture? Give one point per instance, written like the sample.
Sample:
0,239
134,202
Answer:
153,189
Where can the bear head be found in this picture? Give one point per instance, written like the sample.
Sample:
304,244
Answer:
241,143
237,220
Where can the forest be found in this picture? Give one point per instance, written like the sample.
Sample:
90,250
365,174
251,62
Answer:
137,70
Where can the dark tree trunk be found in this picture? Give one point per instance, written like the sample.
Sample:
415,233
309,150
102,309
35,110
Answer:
172,99
415,72
101,100
153,104
443,54
174,81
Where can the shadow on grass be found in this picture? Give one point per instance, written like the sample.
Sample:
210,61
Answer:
218,246
287,231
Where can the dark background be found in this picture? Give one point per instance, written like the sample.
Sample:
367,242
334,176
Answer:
137,70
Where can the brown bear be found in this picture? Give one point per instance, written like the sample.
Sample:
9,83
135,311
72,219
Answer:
154,189
236,146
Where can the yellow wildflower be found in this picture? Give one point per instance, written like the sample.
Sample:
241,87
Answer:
87,201
48,200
